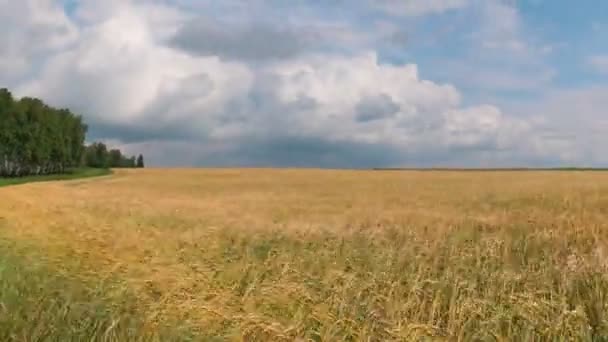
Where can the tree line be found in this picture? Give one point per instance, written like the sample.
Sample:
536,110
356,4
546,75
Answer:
37,139
97,155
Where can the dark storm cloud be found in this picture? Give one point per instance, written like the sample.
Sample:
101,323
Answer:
174,131
251,42
376,108
303,152
310,152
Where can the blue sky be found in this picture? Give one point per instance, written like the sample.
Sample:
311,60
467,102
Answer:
363,83
578,28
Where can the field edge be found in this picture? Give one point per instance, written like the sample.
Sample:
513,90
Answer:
74,174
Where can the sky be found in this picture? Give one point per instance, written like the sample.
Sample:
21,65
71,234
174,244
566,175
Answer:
322,83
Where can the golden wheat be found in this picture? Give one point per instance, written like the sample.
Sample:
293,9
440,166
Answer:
265,254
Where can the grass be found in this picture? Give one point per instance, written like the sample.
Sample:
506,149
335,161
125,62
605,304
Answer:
38,304
261,255
77,173
42,304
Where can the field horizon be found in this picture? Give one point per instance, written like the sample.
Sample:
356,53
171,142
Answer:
261,254
429,169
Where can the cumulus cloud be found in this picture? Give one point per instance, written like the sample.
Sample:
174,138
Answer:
255,42
134,86
121,73
376,108
31,29
568,125
154,78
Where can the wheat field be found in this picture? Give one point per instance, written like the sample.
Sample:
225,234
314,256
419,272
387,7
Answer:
319,255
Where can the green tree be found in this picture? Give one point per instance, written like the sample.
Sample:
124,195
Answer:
116,158
38,139
140,161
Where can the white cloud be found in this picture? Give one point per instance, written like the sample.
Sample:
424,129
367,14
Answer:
418,7
336,86
30,29
498,76
599,63
502,29
500,25
569,125
114,63
121,73
120,67
502,53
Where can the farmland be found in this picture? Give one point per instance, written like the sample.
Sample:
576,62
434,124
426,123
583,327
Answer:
322,255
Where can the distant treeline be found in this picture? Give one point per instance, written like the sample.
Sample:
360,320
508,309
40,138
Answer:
97,155
36,139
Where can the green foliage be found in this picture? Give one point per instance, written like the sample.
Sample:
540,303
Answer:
140,161
36,139
67,175
97,155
